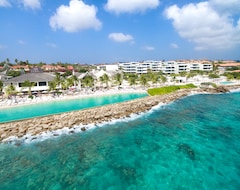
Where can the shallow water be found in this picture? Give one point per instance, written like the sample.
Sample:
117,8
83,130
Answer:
60,106
193,143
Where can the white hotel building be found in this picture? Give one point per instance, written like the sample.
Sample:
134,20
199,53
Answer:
166,67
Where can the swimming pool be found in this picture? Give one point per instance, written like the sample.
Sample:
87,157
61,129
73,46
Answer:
226,82
61,106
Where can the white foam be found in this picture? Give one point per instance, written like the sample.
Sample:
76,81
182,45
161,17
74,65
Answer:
235,90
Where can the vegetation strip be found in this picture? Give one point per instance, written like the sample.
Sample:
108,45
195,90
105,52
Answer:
169,89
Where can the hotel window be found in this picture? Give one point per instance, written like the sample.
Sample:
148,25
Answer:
42,83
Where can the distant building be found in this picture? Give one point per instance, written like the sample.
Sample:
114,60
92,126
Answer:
108,67
166,67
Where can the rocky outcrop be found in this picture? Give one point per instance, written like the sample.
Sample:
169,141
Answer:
89,116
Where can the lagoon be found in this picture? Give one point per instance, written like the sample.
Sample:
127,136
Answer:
61,106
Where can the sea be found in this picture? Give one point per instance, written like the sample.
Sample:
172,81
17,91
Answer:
190,144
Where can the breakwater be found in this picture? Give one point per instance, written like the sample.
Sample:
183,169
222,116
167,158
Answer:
97,115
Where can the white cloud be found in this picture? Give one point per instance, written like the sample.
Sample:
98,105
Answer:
52,45
173,45
75,17
201,24
21,42
149,48
120,37
130,6
32,4
4,3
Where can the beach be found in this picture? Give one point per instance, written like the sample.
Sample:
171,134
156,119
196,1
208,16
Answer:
81,120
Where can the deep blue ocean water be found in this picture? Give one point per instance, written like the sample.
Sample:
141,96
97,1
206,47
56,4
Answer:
192,143
60,106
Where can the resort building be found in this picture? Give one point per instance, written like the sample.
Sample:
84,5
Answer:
41,81
228,65
166,67
108,67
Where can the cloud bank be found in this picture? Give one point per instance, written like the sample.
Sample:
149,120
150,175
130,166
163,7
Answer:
120,37
204,25
75,17
130,6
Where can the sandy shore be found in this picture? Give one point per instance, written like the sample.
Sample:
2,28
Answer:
79,120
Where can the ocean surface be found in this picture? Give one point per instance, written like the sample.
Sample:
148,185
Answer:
60,106
192,143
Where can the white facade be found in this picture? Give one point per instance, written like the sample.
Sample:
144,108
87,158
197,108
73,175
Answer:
166,67
107,67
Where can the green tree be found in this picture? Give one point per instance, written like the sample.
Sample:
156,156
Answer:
144,80
14,73
10,90
163,79
132,79
213,75
106,79
52,85
75,80
58,79
88,81
154,77
119,79
29,85
69,82
1,86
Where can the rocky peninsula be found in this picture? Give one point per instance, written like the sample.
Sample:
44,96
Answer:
98,115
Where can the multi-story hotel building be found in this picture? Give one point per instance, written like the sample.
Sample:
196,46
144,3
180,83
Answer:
166,67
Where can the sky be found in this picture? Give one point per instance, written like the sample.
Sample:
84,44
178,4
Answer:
109,31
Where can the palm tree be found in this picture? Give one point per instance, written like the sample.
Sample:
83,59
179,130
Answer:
52,85
132,79
69,82
88,81
163,79
106,79
143,80
8,61
1,87
75,80
118,78
29,85
154,78
58,80
10,90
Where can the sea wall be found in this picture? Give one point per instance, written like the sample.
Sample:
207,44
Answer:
97,115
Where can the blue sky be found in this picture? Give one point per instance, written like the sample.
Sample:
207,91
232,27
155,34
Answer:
108,31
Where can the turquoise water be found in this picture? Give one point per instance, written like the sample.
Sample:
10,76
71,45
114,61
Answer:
226,82
54,107
193,143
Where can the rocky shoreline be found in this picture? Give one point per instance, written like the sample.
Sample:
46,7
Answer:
36,126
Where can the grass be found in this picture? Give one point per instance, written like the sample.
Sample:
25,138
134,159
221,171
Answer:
168,89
